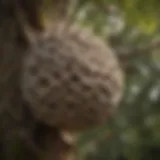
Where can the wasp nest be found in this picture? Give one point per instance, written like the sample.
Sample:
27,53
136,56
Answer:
71,78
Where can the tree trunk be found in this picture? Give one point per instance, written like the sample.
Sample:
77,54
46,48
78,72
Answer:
19,131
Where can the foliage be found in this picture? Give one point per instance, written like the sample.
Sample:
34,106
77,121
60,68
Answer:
139,13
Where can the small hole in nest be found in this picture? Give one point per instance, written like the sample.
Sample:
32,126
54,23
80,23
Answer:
75,78
87,87
56,74
70,106
106,91
52,105
43,82
91,110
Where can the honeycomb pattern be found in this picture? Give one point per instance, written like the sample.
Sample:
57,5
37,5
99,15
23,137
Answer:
71,78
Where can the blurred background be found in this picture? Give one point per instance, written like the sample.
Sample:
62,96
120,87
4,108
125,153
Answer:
132,28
